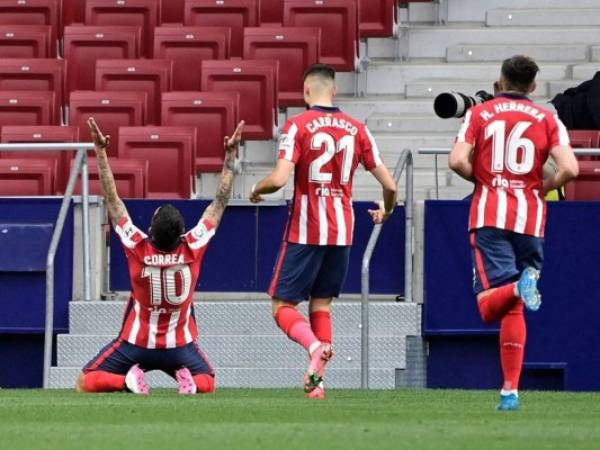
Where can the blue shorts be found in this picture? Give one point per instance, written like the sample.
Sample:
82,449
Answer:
119,356
304,271
499,256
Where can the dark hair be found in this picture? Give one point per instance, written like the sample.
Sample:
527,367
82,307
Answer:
167,227
519,72
322,70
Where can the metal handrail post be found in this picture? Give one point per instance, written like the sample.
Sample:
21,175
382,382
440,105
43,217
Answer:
408,230
60,223
85,187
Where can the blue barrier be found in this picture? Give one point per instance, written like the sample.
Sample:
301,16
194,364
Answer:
563,343
244,250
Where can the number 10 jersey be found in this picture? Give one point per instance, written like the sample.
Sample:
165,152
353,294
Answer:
160,312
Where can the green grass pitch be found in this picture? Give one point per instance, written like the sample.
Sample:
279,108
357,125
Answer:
285,420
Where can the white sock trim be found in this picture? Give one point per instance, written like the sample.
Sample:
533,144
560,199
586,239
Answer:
509,392
313,347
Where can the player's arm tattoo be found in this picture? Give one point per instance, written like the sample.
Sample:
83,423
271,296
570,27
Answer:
114,204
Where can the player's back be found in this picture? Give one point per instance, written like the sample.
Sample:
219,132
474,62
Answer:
326,146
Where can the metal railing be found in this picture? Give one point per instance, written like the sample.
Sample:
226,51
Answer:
405,161
80,165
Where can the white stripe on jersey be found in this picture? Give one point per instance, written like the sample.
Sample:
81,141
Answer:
502,208
153,329
521,211
563,134
462,134
539,214
202,235
303,219
288,142
376,154
323,224
171,331
127,231
186,327
135,328
481,207
341,221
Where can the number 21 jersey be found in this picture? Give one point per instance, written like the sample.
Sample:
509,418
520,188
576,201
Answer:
326,146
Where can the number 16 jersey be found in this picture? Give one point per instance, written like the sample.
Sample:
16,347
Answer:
326,146
160,311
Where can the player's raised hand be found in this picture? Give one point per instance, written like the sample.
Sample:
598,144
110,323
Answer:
100,141
379,215
232,143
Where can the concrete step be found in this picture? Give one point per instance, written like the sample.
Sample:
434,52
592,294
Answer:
431,88
525,17
252,351
253,317
240,377
449,193
362,107
595,53
557,87
391,144
497,53
585,71
381,123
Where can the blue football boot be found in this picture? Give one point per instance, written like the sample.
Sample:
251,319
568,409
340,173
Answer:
508,402
527,287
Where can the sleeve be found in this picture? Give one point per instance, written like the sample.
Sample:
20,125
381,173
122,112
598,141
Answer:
289,145
199,236
371,158
129,234
558,133
469,130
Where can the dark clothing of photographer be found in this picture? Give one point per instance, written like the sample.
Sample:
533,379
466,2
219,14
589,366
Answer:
579,107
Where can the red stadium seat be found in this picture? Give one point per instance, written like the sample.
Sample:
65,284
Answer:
587,185
271,12
172,11
32,12
35,74
256,82
294,48
214,114
131,178
187,47
339,28
110,109
27,108
150,76
37,134
26,41
73,11
377,18
170,152
84,45
236,14
26,177
141,13
585,138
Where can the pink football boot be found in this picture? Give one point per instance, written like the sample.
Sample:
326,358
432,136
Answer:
185,380
316,367
317,393
136,382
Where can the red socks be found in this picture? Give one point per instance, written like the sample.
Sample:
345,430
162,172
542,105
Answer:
296,327
204,383
513,334
320,322
100,381
498,303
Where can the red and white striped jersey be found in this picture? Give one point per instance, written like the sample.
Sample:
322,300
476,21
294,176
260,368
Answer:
326,146
160,311
512,139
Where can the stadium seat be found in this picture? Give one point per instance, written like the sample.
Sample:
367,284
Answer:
170,152
172,11
26,41
84,45
256,82
585,138
214,114
37,134
339,28
271,12
187,47
27,108
294,48
150,76
34,74
141,13
73,11
236,14
377,18
587,185
131,178
32,12
110,109
26,177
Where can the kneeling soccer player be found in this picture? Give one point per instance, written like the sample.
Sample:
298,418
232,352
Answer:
159,329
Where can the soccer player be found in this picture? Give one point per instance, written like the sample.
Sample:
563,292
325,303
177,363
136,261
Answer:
324,146
159,328
502,147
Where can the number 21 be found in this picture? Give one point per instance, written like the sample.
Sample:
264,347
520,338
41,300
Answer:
346,145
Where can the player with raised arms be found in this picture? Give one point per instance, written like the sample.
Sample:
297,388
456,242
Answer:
159,329
502,147
324,147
